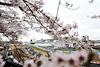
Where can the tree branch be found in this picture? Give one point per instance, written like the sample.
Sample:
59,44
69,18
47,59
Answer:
21,8
58,9
6,4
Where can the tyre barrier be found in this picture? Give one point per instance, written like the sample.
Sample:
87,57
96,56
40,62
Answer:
95,62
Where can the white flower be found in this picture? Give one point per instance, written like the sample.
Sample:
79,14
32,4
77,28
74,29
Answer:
44,59
81,56
1,62
72,60
57,59
29,63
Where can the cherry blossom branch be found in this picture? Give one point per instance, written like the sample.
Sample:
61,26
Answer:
34,15
7,4
43,13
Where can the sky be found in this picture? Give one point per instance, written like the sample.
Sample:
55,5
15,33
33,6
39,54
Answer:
86,25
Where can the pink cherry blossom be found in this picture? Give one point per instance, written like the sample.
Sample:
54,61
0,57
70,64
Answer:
29,63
